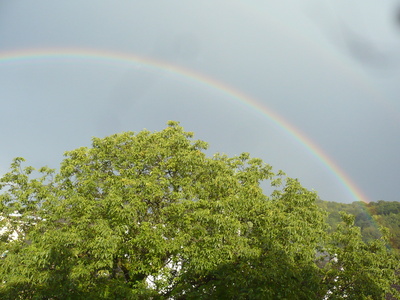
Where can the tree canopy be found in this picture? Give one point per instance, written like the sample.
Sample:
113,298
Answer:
368,216
149,215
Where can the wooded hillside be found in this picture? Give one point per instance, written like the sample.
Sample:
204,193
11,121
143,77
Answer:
369,217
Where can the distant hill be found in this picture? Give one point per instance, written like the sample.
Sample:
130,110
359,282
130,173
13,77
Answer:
369,217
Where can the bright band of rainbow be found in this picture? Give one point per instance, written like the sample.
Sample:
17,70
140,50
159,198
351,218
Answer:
135,60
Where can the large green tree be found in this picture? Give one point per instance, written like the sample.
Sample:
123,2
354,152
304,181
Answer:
151,216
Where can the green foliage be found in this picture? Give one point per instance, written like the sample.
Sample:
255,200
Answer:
150,216
354,266
369,217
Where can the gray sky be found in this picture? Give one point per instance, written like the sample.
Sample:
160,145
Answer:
330,68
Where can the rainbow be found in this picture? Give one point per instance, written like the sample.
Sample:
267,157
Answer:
337,60
198,78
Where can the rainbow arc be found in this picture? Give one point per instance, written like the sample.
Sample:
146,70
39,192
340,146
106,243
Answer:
198,78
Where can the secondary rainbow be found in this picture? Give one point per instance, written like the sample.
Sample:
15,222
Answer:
136,60
336,59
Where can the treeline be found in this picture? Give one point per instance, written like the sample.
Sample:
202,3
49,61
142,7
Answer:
149,215
370,217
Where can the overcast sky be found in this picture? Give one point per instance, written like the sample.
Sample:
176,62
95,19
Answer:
330,68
